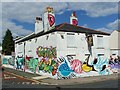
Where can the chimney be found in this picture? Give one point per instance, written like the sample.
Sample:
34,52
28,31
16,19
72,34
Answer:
38,25
73,19
49,19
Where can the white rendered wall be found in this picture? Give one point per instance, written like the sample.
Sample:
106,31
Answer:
82,46
114,43
114,40
19,49
38,26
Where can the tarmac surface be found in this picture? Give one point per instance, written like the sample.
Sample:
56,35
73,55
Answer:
19,79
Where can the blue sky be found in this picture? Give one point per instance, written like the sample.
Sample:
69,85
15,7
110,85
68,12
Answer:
84,20
20,17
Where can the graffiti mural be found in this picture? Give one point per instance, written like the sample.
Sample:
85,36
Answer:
86,67
70,67
31,63
9,61
76,66
51,19
46,52
19,62
47,62
49,66
66,71
114,63
101,66
74,22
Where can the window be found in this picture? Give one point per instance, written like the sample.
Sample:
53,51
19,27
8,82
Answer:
100,54
100,41
62,36
35,40
20,43
47,37
71,42
87,54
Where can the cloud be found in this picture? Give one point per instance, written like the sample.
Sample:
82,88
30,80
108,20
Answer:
105,30
59,0
85,25
27,11
110,26
16,30
114,25
96,9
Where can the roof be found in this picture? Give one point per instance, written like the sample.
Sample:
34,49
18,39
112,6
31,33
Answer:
64,27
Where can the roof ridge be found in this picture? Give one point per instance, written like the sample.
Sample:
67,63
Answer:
61,25
87,28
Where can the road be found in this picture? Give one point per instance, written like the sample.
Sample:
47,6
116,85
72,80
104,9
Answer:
10,80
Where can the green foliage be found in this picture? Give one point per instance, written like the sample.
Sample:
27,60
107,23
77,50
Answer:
8,43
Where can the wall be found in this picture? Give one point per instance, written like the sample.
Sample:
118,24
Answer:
81,48
47,55
114,40
114,43
69,67
32,58
74,66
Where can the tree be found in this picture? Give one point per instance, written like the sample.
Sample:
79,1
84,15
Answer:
8,43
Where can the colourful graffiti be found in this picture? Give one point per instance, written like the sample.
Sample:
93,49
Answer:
49,66
64,69
86,67
69,67
74,22
114,63
9,61
31,63
19,62
5,61
47,61
51,19
101,65
76,66
46,52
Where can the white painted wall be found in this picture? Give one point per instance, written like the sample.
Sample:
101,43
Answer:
55,40
38,26
19,49
114,43
31,46
114,40
81,46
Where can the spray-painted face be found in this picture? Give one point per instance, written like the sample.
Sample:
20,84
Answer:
51,19
74,22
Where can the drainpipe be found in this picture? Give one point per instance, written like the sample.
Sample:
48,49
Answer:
24,58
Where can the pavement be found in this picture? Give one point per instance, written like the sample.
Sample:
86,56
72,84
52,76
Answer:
50,81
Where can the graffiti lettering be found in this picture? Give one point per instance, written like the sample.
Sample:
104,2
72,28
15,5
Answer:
46,52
